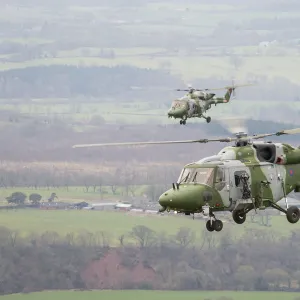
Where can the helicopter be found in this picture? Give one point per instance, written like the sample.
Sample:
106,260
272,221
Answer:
196,102
249,175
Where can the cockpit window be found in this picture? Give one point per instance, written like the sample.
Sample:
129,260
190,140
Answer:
220,179
197,175
177,104
220,175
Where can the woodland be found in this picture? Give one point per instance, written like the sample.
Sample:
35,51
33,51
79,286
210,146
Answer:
257,261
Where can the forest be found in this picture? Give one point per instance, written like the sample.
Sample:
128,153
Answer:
257,261
69,81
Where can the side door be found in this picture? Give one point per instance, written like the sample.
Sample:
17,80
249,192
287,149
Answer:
222,184
240,183
193,106
267,183
274,175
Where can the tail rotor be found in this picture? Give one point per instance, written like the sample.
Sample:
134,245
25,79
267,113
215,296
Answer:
233,89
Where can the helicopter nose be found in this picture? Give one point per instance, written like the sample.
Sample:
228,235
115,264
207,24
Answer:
175,112
187,197
164,200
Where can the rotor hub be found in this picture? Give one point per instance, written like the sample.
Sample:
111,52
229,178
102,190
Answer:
242,139
240,135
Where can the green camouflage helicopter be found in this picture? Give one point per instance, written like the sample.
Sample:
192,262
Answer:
249,175
196,103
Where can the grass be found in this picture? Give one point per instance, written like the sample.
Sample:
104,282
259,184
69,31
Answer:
164,17
149,295
270,66
114,223
152,112
117,223
73,194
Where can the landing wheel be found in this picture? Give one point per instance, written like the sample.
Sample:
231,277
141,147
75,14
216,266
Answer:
293,214
238,216
218,225
183,122
210,227
208,119
180,122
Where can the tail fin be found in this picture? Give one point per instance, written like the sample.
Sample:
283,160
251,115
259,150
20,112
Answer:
228,94
224,99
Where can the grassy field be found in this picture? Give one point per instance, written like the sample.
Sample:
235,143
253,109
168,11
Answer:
117,223
143,112
157,18
73,194
152,295
270,66
191,19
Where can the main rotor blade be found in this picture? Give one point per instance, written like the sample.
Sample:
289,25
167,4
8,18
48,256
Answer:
225,140
239,85
289,131
222,88
134,114
282,132
154,143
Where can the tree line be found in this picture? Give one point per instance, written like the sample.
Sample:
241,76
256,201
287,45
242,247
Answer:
259,260
69,81
88,83
53,141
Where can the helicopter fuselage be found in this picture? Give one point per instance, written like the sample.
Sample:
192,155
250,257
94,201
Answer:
236,179
195,105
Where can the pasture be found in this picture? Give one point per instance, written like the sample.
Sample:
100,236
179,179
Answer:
115,224
270,66
137,112
72,194
160,20
150,295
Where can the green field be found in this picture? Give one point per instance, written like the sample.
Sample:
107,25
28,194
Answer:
271,66
73,194
116,224
153,295
198,20
190,62
143,112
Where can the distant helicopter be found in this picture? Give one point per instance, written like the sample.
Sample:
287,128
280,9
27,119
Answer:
249,175
194,104
197,102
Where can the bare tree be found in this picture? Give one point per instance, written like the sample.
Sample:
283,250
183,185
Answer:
121,239
103,238
143,235
13,237
185,236
87,183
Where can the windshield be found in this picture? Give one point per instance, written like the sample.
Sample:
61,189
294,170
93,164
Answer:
197,175
177,104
